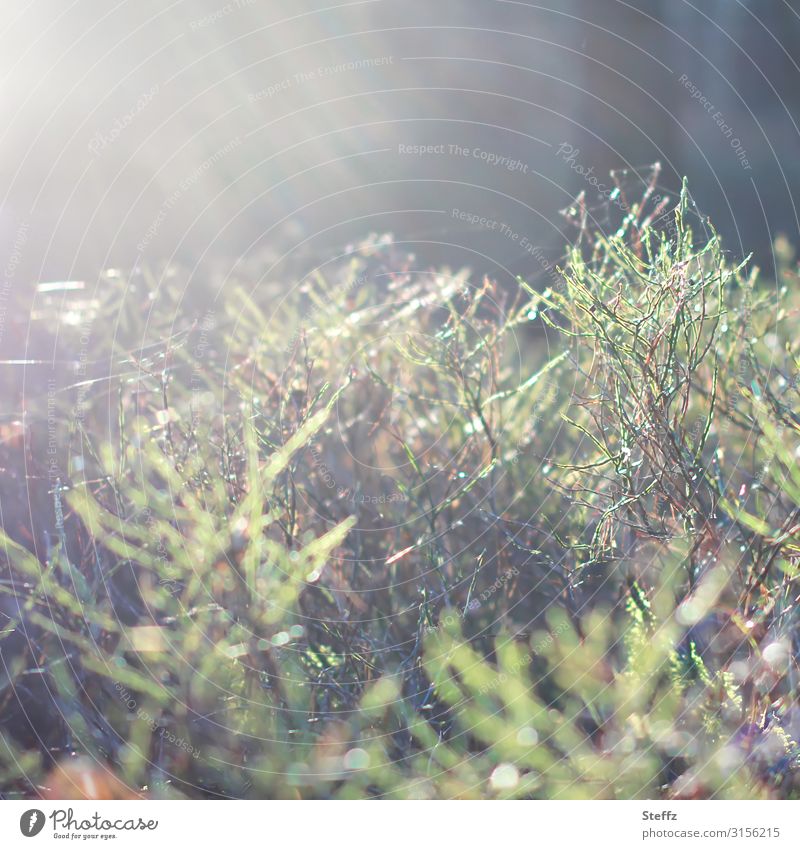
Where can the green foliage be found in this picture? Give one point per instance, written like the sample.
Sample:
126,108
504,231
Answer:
407,536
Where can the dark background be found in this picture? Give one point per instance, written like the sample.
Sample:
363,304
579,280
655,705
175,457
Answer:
317,163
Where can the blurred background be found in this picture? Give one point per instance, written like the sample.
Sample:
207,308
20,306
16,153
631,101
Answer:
262,135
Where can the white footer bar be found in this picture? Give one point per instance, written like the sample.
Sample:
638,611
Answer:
351,825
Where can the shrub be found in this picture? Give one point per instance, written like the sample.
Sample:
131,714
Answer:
409,535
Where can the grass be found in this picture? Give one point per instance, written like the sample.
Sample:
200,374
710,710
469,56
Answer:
399,533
